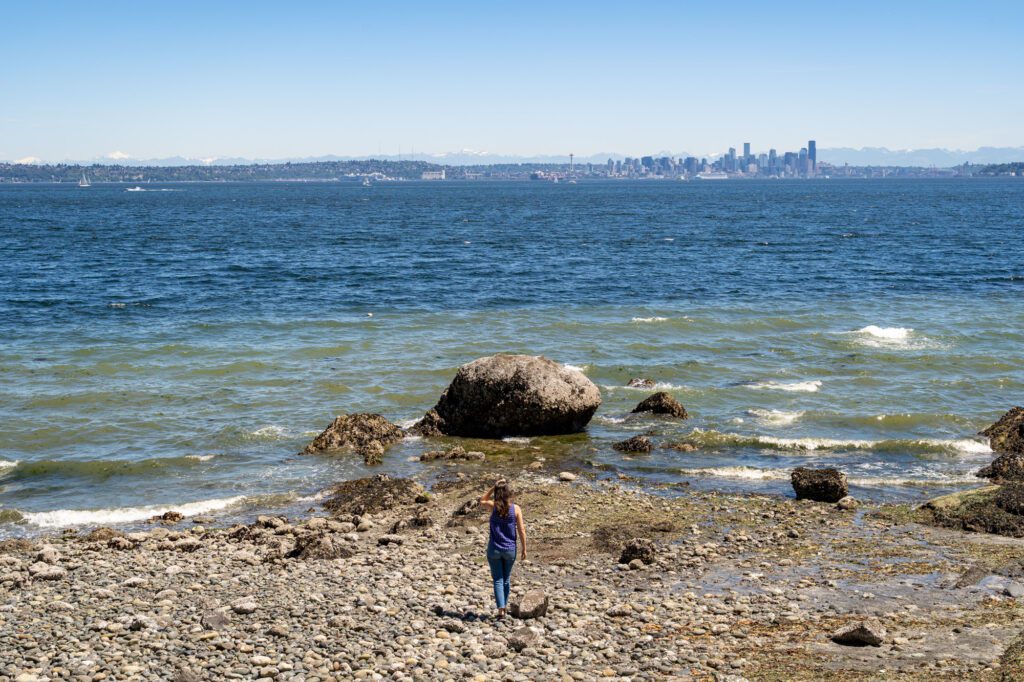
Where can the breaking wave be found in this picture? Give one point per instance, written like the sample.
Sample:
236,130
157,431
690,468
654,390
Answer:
649,319
956,446
795,387
774,417
62,518
748,473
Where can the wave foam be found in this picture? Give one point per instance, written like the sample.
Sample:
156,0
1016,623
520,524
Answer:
774,417
893,338
958,446
755,474
5,464
270,432
62,518
649,319
579,368
200,458
516,439
793,387
658,386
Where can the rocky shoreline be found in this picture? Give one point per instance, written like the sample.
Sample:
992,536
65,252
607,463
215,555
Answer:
388,581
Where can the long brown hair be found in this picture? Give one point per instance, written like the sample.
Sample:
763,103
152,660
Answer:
502,496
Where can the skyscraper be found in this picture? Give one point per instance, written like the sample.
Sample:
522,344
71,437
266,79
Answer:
812,155
746,152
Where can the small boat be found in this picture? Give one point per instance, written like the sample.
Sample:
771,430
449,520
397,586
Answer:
136,188
84,182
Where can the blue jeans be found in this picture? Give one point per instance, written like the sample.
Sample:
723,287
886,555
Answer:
501,571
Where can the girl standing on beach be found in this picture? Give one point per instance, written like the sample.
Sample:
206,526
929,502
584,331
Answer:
506,524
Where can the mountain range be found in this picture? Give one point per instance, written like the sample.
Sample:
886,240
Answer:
865,156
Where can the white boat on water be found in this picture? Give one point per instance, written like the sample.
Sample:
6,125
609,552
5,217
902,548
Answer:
84,182
717,175
136,188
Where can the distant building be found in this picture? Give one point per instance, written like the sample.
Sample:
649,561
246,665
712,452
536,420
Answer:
812,155
432,175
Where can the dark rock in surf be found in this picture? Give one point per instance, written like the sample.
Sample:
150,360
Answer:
662,403
512,395
820,485
1007,434
1006,467
368,434
639,382
635,444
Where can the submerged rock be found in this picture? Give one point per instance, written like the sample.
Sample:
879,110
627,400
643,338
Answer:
865,633
368,434
639,382
512,395
1008,466
1007,434
634,444
662,403
820,485
457,452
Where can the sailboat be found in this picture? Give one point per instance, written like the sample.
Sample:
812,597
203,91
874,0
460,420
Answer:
84,182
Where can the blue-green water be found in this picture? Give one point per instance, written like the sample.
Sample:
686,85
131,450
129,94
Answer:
165,349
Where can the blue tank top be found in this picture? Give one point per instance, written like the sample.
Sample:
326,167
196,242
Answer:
503,530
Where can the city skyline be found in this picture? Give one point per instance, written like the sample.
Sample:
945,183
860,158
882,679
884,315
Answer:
259,81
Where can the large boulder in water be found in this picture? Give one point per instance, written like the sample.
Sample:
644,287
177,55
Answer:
1007,434
512,395
367,434
820,485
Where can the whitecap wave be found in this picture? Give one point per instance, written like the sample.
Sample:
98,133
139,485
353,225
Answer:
649,319
6,464
62,518
407,423
270,432
579,368
200,458
516,439
743,472
894,338
793,387
774,417
610,420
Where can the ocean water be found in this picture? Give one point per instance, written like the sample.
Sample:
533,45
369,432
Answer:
175,349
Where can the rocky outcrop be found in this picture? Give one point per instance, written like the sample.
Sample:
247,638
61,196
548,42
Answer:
634,444
512,395
992,509
820,485
1006,467
1007,434
662,403
368,434
372,495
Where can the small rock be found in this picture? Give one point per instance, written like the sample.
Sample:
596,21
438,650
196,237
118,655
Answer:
566,476
245,605
522,638
662,403
44,571
533,604
848,503
390,540
638,548
864,633
1014,589
820,485
634,444
216,619
48,554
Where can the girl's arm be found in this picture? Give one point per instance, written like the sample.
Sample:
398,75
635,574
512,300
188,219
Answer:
486,501
521,529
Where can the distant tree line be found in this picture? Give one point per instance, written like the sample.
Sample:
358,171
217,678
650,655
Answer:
321,170
1015,168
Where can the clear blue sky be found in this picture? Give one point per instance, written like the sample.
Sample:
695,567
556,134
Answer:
256,79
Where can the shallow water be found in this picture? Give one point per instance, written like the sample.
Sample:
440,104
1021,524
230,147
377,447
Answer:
163,348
